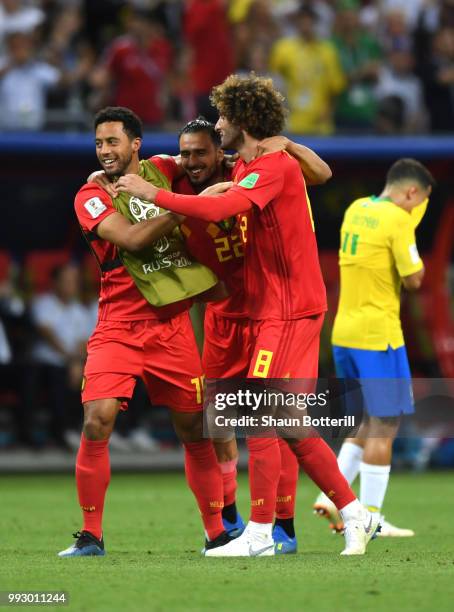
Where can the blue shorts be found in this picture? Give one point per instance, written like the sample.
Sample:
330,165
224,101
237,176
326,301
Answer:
383,376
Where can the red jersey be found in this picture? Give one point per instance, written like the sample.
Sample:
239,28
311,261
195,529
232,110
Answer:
207,32
283,279
209,243
119,299
138,75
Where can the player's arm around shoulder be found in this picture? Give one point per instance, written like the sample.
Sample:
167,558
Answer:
314,169
169,165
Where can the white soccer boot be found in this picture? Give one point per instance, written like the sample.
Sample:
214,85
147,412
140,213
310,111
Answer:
253,542
359,531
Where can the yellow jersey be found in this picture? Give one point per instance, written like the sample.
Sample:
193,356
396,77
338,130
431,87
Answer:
313,77
378,247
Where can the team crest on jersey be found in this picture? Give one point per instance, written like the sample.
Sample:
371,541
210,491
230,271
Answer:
142,210
250,180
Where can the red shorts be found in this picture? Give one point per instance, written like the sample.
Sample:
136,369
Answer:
163,353
226,347
286,349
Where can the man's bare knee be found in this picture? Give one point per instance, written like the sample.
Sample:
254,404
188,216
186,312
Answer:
226,450
99,418
383,427
188,425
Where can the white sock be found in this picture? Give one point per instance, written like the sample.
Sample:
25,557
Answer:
349,459
353,510
374,482
263,529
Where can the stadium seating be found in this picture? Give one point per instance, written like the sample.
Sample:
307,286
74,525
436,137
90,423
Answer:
38,267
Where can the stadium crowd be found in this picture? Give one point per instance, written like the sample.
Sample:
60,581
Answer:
384,66
356,66
48,310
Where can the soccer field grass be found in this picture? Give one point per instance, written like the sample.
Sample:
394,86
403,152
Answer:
153,537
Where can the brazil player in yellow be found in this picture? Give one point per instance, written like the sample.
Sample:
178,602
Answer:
377,255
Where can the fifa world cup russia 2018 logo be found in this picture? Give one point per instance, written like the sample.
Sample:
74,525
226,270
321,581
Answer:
141,211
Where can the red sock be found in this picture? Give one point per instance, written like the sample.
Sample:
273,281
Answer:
320,464
92,478
288,480
205,481
264,469
229,473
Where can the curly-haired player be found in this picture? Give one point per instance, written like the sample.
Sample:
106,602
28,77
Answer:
285,296
227,327
251,102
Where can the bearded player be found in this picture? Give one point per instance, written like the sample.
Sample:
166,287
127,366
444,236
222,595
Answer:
285,296
227,327
135,338
201,163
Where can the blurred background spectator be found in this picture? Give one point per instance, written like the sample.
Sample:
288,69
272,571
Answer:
258,30
134,69
62,326
16,16
337,61
207,34
438,79
396,79
360,57
67,48
24,83
345,67
312,75
42,352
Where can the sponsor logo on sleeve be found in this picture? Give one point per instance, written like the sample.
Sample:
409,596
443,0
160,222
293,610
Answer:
95,207
414,255
250,180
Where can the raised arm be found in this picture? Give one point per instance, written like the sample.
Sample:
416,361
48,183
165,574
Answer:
406,257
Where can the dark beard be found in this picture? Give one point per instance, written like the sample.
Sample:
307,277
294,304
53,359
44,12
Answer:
207,183
114,177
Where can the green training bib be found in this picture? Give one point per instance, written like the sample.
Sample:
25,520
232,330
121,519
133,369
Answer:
164,272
